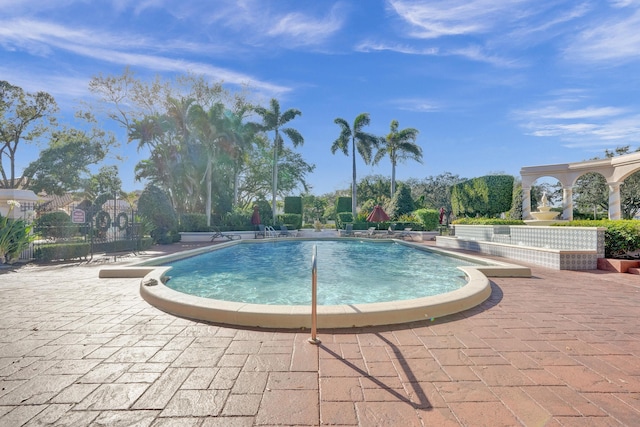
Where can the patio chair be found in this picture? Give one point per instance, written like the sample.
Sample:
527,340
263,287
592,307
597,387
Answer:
348,230
217,233
261,232
285,232
371,231
406,233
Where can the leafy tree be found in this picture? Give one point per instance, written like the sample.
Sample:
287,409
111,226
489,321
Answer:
273,121
64,165
154,205
401,203
434,192
375,188
399,145
255,182
591,193
23,117
360,141
105,181
313,208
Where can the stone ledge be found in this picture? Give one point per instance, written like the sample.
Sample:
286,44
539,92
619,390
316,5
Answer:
618,265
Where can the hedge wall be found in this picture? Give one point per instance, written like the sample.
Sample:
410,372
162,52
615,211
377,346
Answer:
485,196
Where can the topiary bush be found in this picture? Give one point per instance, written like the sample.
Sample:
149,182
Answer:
155,206
429,218
291,220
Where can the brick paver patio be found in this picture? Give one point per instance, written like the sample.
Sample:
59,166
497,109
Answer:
560,348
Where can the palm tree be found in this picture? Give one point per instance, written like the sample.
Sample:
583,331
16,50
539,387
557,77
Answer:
273,120
361,141
399,145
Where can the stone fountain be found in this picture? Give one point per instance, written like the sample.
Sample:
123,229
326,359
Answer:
544,212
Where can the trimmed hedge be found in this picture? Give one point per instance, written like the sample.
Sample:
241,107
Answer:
488,221
484,196
191,222
342,218
430,218
343,204
291,220
293,205
62,251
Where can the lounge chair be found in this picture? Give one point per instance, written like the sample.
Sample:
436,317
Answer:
406,233
217,233
348,230
261,232
285,232
371,232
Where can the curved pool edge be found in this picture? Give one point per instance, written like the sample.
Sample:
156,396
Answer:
475,292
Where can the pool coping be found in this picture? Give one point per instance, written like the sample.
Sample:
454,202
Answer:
153,290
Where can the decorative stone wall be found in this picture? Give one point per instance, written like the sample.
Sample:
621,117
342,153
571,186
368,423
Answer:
560,248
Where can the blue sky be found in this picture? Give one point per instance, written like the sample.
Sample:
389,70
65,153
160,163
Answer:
492,86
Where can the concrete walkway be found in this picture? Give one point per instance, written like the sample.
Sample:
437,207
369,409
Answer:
560,348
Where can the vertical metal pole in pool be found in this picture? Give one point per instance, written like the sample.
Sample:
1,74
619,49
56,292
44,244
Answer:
314,296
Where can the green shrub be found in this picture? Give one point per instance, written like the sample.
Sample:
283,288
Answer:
62,251
621,236
342,218
343,204
293,205
429,218
484,196
293,221
488,221
55,225
155,206
193,222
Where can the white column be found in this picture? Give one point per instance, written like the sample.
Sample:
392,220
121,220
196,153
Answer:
567,203
614,200
526,203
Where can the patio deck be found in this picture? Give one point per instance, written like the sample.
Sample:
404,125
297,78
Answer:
559,348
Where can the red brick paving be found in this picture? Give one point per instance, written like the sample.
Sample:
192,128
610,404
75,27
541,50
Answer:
558,349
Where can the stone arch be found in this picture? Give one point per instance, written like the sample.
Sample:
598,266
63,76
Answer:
614,169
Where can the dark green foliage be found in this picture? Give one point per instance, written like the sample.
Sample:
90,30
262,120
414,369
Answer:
516,204
488,221
293,205
154,206
401,203
343,204
429,218
266,214
193,222
62,251
293,221
343,218
55,225
485,196
621,236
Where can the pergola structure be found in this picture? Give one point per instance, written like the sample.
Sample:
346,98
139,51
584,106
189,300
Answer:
614,169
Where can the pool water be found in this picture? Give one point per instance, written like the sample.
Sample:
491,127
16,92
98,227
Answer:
348,272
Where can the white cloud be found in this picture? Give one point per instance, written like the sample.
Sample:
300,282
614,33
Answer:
582,127
613,40
453,17
419,105
300,29
42,38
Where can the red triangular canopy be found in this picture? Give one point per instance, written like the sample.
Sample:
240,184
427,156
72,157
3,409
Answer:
378,215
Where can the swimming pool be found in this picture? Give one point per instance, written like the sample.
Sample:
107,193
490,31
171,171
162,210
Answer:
153,290
349,272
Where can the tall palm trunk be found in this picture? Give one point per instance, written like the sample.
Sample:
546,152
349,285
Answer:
275,178
354,202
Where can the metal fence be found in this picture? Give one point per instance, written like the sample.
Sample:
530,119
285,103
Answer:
109,229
